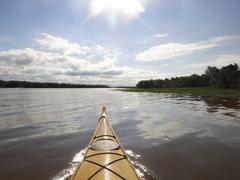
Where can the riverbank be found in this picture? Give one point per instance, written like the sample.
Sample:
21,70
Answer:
202,91
27,84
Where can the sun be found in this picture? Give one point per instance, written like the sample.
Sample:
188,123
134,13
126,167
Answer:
127,8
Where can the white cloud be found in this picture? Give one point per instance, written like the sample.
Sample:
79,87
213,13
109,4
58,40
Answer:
96,64
106,52
45,66
53,43
221,60
171,50
160,35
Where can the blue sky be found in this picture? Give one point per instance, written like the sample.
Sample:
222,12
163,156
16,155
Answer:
94,41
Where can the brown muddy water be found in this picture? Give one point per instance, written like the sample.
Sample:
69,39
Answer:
43,133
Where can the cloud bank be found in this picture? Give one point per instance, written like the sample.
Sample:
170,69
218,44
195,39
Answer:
59,60
173,49
56,59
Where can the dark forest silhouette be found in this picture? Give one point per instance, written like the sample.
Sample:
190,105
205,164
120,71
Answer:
25,84
225,77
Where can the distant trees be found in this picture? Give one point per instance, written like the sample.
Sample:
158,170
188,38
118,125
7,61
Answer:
25,84
226,77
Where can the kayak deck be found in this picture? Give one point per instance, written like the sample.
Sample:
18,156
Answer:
105,158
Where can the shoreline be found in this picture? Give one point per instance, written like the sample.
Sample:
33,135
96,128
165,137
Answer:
197,91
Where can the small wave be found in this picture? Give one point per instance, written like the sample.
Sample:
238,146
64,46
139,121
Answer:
66,173
126,107
132,154
141,170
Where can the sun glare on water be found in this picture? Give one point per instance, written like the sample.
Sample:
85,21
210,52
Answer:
128,8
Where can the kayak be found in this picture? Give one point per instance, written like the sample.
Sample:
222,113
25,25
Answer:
105,158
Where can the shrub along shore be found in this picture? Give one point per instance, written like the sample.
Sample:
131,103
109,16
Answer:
214,82
226,77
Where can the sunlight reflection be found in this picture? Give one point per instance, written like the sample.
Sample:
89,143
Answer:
66,173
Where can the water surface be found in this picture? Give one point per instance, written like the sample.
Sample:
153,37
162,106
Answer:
176,136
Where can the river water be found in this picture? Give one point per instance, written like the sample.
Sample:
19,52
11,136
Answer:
43,132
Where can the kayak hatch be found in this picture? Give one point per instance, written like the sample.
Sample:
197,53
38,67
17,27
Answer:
105,158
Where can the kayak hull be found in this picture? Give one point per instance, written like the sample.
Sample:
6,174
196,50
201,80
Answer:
105,158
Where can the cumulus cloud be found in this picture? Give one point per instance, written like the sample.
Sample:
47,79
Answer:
50,65
61,45
16,57
171,50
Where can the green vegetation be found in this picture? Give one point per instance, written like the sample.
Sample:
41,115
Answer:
199,91
226,77
25,84
215,82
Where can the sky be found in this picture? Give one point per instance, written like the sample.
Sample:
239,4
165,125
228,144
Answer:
115,42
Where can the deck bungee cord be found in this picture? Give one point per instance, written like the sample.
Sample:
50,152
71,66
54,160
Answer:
105,158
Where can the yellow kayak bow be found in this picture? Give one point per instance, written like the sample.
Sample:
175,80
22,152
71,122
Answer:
105,158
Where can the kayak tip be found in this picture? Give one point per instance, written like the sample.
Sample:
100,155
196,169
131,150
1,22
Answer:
104,111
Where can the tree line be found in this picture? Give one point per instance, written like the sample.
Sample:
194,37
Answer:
225,77
26,84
